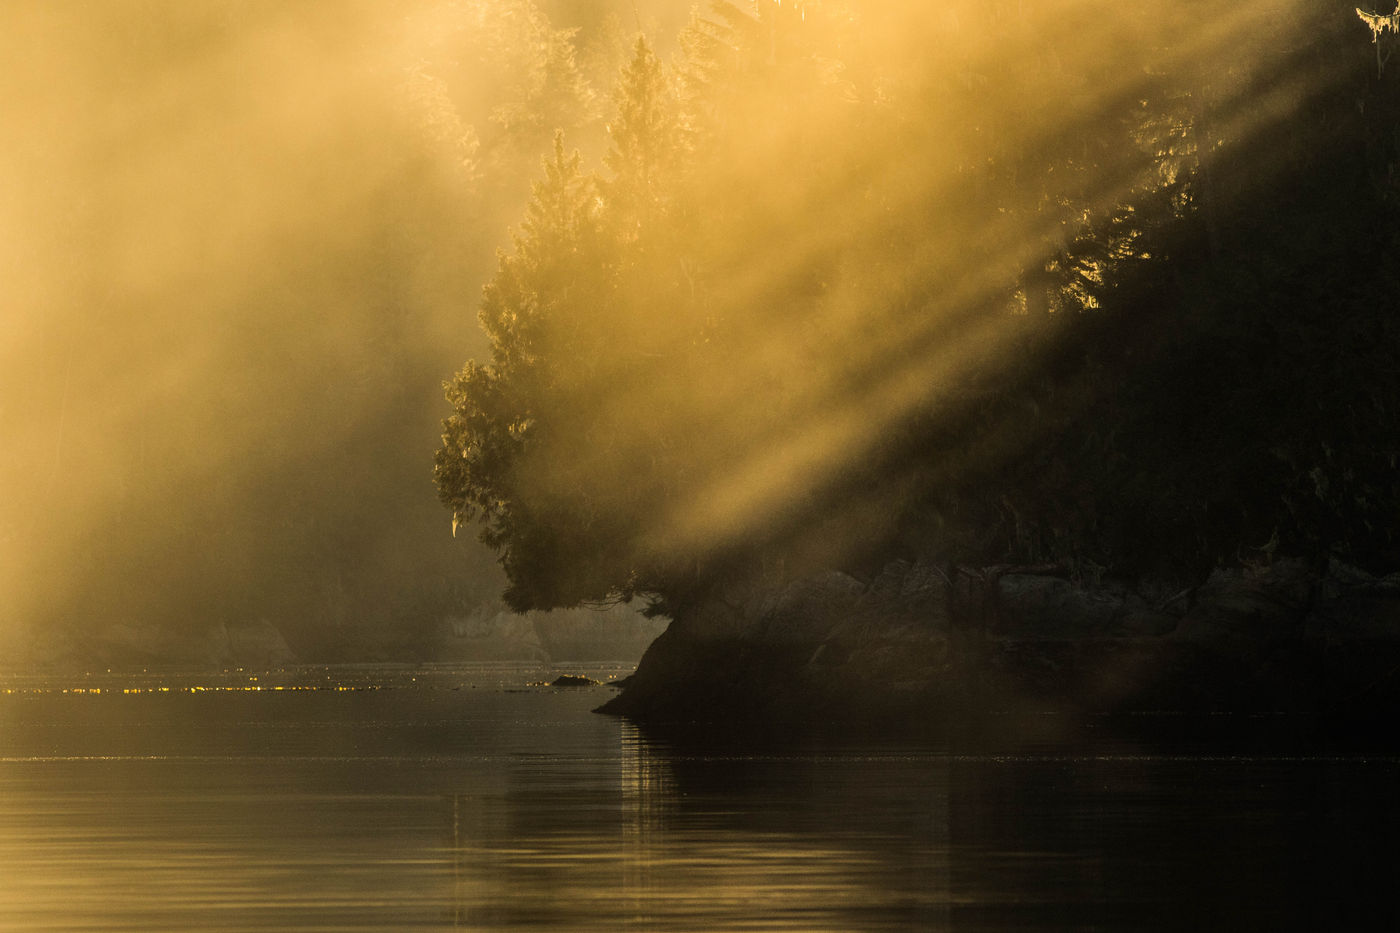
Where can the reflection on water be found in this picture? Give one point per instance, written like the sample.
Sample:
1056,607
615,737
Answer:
460,798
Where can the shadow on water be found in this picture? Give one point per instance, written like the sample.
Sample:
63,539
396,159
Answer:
995,834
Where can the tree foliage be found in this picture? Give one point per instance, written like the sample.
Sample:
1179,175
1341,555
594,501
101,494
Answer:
830,303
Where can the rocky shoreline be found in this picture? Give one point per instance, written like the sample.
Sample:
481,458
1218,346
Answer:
921,644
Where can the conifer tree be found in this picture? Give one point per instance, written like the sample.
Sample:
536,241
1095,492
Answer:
511,413
584,311
643,154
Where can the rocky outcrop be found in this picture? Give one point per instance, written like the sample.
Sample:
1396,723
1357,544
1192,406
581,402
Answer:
920,641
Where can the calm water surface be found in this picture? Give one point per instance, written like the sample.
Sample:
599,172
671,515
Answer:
463,797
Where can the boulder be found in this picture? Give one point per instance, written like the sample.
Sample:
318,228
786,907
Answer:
575,680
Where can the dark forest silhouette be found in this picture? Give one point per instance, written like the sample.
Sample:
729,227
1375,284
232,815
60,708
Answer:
1112,289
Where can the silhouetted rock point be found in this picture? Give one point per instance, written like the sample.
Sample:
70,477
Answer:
920,643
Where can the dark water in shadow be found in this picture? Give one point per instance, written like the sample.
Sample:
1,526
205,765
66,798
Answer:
460,798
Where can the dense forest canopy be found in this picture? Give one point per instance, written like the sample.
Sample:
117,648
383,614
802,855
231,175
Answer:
1100,283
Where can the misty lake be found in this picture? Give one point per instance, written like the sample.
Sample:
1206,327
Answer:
473,797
